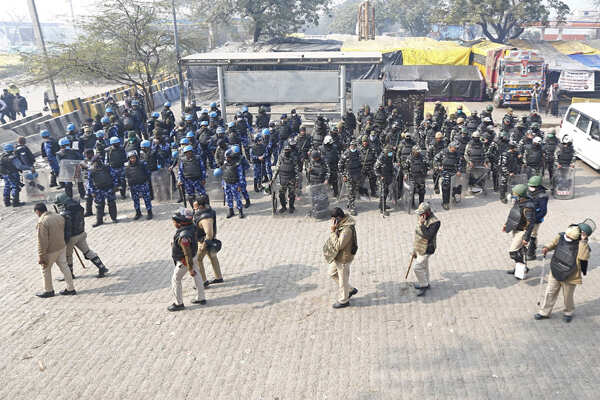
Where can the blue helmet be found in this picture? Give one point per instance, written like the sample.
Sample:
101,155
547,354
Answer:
213,104
109,109
238,114
220,129
266,131
190,134
184,141
167,104
114,140
204,123
71,128
258,136
174,154
235,148
100,134
188,117
244,108
231,124
64,142
229,153
45,133
188,148
213,114
105,120
155,115
218,172
135,103
204,111
9,147
29,176
145,143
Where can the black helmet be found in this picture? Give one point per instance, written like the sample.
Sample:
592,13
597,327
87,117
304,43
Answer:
183,216
315,155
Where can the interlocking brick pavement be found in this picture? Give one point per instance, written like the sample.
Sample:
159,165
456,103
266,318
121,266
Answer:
269,331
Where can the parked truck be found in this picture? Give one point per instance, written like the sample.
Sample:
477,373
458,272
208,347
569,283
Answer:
511,74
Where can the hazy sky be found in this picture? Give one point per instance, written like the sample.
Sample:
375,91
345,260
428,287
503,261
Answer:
59,10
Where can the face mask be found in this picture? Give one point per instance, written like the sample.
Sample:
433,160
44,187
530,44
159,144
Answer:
353,150
390,154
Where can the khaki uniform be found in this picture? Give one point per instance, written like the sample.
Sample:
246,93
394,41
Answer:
207,226
178,274
51,248
79,241
339,269
568,286
424,247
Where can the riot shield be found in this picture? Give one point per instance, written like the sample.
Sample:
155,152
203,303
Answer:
70,171
161,185
408,194
392,196
319,200
478,179
36,185
517,179
457,187
564,183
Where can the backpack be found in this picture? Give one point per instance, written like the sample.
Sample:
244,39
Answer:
354,247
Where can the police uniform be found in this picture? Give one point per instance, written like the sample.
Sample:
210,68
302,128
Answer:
287,170
351,166
138,176
232,176
185,236
191,174
9,169
101,185
49,149
117,158
206,224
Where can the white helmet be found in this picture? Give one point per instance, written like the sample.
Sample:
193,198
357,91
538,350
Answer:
567,139
328,139
537,140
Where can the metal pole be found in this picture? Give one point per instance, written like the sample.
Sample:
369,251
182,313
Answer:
37,30
222,93
342,90
179,71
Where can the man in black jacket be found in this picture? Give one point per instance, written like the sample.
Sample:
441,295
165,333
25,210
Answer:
72,212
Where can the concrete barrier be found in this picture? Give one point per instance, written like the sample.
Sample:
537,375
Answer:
10,125
31,127
58,126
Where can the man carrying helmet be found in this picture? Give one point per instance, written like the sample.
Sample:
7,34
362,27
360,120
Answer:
568,263
520,222
10,167
138,177
184,248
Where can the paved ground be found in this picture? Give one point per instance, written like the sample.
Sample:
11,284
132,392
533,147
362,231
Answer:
269,331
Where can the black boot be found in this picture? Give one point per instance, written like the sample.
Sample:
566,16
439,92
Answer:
283,203
124,189
292,201
256,187
102,270
138,215
53,180
16,202
112,210
531,249
247,203
88,206
241,210
99,216
7,201
231,213
149,216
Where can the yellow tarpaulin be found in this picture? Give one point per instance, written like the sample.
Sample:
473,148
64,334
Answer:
574,47
450,106
482,48
415,50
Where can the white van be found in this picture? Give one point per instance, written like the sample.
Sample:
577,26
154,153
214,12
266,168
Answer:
582,123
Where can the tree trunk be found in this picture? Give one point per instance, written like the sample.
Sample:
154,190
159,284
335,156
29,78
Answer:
257,31
149,99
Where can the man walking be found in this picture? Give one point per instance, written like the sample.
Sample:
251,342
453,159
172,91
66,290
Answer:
424,245
51,249
184,249
520,222
339,251
205,219
570,260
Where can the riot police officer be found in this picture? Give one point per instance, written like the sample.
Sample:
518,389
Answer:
368,155
533,157
402,154
438,145
287,169
102,185
537,193
257,156
331,155
138,177
509,166
520,222
449,163
192,174
475,156
232,177
384,169
417,172
117,158
318,171
10,167
549,145
350,166
66,153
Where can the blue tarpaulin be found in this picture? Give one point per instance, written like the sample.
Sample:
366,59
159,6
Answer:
590,60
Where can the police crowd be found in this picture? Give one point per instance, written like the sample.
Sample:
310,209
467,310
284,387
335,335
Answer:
375,154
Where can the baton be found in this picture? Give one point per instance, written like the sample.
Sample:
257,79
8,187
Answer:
74,248
412,257
182,193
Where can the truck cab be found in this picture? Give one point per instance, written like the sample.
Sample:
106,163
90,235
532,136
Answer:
512,76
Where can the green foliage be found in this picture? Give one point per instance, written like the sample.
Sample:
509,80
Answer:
268,18
502,20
